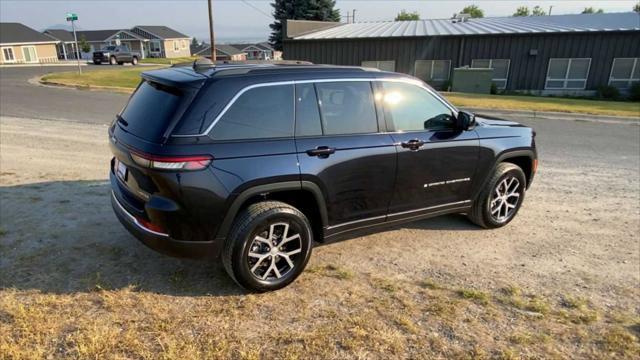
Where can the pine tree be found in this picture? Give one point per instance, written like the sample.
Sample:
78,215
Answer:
283,10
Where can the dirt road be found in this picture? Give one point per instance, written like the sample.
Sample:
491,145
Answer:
561,280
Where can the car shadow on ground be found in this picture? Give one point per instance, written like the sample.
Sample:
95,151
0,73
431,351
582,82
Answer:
62,237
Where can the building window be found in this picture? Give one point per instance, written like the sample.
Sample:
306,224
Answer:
385,65
432,70
29,54
624,72
176,47
7,54
184,44
500,69
154,46
568,74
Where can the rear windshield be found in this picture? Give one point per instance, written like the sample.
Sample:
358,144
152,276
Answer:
150,110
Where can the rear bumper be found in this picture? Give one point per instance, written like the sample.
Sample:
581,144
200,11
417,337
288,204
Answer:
163,243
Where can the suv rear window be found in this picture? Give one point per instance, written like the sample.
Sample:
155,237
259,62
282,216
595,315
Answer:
150,109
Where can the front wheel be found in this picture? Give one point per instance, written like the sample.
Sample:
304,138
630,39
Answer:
499,202
134,61
112,60
96,62
268,246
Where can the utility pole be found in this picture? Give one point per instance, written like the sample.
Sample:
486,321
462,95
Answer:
73,17
348,17
353,17
550,8
211,37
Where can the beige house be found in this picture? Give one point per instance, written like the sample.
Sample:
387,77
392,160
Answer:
223,52
20,44
162,41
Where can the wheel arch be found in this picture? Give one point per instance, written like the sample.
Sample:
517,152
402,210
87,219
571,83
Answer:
306,196
524,159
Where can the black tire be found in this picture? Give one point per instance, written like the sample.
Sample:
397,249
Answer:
120,62
134,61
112,60
254,222
481,214
96,62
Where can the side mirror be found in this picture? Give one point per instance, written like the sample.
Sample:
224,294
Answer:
464,120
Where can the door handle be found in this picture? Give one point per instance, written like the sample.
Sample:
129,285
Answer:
321,151
413,144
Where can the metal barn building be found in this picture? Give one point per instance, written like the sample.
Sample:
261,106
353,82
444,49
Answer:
559,54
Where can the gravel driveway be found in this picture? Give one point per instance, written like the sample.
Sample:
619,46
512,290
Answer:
558,280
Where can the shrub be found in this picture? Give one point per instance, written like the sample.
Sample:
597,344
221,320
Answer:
634,92
494,89
608,92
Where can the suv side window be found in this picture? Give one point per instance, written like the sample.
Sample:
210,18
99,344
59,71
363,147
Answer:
412,108
347,108
307,112
259,113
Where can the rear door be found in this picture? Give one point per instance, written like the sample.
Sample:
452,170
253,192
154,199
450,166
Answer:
436,162
341,148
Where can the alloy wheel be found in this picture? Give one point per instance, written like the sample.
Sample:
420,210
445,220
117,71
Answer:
505,198
273,251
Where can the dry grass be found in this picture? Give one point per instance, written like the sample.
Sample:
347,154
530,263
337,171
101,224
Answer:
320,316
539,103
125,79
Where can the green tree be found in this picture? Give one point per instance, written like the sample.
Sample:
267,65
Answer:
404,15
522,11
538,11
194,41
592,10
636,7
283,10
473,10
83,44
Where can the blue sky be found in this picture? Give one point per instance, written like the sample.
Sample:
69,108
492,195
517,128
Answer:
248,20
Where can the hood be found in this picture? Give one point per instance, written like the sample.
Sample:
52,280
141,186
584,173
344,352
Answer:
487,120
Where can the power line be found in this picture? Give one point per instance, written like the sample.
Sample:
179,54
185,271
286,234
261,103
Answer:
257,9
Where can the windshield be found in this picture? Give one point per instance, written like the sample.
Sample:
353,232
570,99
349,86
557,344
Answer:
110,48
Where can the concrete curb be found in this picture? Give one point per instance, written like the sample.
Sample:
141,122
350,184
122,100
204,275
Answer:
52,84
42,65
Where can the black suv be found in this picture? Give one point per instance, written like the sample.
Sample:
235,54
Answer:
253,163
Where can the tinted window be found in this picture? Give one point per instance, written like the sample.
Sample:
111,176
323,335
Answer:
262,112
412,108
347,108
150,109
307,112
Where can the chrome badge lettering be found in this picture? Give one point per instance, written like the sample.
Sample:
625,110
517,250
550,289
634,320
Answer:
446,182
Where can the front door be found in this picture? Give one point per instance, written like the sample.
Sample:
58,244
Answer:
341,149
436,162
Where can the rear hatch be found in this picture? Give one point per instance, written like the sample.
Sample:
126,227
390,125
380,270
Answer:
158,103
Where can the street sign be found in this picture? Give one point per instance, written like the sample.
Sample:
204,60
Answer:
72,17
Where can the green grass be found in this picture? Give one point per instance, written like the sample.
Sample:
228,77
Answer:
475,295
165,61
125,78
539,103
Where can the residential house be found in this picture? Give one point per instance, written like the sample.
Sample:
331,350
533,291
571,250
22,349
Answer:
163,41
136,39
21,44
259,51
557,54
223,52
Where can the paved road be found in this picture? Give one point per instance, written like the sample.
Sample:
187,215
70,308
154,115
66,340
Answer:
558,140
20,98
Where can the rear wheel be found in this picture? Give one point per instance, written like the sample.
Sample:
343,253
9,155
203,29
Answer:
499,202
134,61
268,246
112,60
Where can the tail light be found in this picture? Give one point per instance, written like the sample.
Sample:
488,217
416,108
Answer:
197,162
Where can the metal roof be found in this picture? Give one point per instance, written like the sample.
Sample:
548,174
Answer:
13,33
628,21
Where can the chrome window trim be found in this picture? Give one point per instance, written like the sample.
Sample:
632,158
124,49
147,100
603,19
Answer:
416,82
